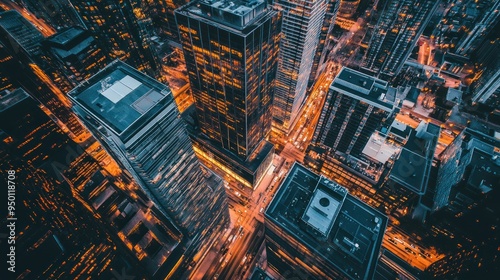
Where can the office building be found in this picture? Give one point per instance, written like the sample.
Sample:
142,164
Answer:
316,230
411,171
230,49
302,25
488,19
486,86
162,12
74,55
58,13
396,34
6,65
64,238
325,42
356,106
136,119
123,29
444,175
348,8
20,37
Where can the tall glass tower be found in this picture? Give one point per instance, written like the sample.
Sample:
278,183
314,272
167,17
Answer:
231,49
302,24
136,119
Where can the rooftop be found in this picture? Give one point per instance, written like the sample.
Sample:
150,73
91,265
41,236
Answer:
119,96
70,42
379,149
454,95
236,13
400,129
364,87
355,237
412,167
485,173
66,36
9,99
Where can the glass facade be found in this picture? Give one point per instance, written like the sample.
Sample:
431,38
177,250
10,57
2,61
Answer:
350,114
397,32
123,28
302,24
294,252
231,66
325,39
74,56
144,132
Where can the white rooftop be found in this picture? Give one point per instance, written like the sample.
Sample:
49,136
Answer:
378,149
121,89
321,211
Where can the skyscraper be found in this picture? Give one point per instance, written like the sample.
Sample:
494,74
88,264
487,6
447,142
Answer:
302,26
324,47
122,28
163,16
230,49
74,55
356,105
480,30
398,30
316,230
59,13
136,119
348,8
411,171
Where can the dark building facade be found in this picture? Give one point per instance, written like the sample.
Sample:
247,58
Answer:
19,36
163,16
123,29
59,13
316,230
397,32
231,49
74,55
356,105
136,119
302,27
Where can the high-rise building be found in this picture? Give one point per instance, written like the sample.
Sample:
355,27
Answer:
316,230
325,41
398,30
356,105
302,26
59,13
136,119
32,144
348,8
230,49
22,41
486,88
74,55
122,28
480,30
20,36
6,65
411,172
